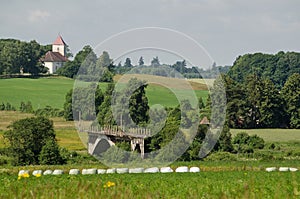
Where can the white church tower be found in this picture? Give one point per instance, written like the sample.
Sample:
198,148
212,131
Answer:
56,58
59,46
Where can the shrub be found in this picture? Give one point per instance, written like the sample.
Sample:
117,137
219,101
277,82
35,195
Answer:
221,156
50,153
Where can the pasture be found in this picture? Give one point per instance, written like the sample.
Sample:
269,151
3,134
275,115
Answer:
51,91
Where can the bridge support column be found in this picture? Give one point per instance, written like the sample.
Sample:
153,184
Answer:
140,142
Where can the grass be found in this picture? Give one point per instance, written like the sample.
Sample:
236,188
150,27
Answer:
226,184
272,135
52,91
66,134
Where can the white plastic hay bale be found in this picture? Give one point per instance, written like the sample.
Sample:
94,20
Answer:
74,172
194,170
182,169
122,170
91,171
101,171
166,170
136,170
22,172
84,171
270,169
47,172
37,172
293,169
283,169
113,170
151,170
57,172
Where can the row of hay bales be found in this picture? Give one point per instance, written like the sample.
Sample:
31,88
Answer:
182,169
270,169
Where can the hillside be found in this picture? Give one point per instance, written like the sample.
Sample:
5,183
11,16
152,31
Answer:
52,91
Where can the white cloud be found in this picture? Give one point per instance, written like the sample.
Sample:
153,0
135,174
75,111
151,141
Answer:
38,15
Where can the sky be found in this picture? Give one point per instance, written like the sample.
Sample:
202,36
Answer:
224,28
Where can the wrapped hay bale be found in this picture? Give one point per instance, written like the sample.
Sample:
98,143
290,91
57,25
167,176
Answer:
136,170
166,170
151,170
182,169
194,169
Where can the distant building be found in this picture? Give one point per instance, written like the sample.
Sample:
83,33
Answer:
56,58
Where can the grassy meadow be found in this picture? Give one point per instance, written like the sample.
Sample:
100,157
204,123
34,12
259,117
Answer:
218,179
226,184
51,91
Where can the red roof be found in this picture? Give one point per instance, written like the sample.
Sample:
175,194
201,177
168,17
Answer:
59,41
204,121
54,57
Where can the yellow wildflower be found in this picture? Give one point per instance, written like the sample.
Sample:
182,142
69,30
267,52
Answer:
38,175
109,184
24,175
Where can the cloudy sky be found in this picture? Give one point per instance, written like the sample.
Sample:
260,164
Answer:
225,28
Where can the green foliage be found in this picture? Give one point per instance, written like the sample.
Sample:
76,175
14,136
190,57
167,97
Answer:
277,67
115,155
84,101
27,137
7,107
26,107
16,54
221,156
138,102
245,143
291,93
85,56
50,153
48,111
257,103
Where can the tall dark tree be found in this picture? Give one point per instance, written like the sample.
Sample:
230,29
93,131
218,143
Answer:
141,61
138,103
127,63
291,93
155,61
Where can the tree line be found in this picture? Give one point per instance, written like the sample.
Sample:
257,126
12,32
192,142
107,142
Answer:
16,56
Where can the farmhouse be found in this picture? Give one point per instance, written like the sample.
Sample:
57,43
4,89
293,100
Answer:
56,58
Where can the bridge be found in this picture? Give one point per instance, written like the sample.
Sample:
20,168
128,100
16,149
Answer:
101,138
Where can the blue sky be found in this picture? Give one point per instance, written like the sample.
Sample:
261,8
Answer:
225,28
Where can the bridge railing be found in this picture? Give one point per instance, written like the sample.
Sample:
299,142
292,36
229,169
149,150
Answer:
117,131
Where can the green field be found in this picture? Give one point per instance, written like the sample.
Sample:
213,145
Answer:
226,184
272,135
52,91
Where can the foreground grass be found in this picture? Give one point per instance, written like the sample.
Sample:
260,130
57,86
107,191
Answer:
228,184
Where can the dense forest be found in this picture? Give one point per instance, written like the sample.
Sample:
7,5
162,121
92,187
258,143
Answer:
278,68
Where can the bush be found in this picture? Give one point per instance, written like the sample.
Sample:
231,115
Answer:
263,155
221,156
5,160
246,144
27,137
50,154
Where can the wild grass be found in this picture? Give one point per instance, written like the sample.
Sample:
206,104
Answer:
225,184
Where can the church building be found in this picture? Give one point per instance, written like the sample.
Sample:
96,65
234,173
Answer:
56,58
